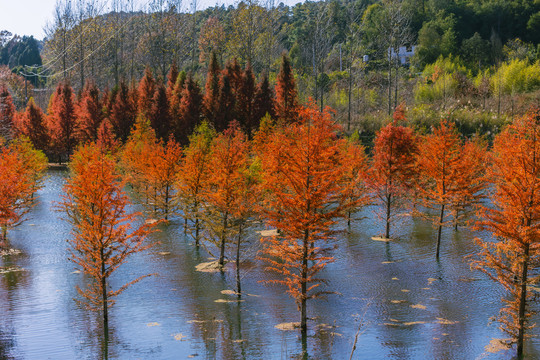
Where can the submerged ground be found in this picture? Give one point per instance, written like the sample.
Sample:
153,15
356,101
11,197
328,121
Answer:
411,306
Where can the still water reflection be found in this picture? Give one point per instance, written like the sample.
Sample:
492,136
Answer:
411,307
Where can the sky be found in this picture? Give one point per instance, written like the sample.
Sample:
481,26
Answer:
29,17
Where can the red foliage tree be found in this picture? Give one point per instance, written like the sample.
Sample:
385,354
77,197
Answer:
211,94
245,103
286,103
32,124
264,100
89,112
102,234
511,254
123,112
227,165
172,76
7,113
450,172
147,89
62,121
226,104
304,175
159,115
21,171
193,177
393,169
189,112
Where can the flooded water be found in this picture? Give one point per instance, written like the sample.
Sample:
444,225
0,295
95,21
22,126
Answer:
404,303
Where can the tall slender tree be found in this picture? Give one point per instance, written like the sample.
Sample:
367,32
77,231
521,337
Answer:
286,104
304,175
7,113
102,236
511,254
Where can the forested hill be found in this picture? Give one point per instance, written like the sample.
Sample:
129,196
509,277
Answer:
321,37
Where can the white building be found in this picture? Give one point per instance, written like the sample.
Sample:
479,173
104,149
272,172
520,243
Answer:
404,54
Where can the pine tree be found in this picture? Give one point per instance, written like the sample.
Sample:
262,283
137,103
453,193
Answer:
226,104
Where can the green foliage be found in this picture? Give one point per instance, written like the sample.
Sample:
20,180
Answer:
517,76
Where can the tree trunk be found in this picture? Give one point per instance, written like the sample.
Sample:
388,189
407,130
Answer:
238,241
388,213
104,297
303,303
441,218
222,238
522,302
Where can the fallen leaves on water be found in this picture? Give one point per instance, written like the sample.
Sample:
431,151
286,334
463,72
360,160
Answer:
10,269
7,252
444,321
227,301
179,337
379,238
208,267
496,345
419,306
153,324
288,326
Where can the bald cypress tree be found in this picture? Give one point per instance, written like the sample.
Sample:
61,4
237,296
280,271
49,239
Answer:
159,115
7,113
286,104
189,112
211,95
147,88
123,112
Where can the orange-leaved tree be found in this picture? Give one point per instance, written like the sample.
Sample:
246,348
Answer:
450,172
227,165
512,253
286,102
14,192
392,171
356,164
303,176
61,121
103,236
192,178
21,172
89,111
